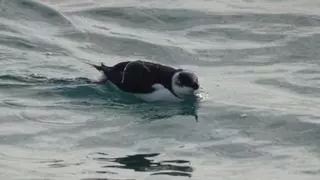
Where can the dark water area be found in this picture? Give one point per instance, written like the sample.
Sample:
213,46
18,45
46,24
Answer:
258,66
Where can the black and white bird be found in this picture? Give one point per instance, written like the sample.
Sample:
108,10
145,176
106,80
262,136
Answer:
150,81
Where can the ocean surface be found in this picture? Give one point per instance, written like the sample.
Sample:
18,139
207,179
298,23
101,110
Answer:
258,63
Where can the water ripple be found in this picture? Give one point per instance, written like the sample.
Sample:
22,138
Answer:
141,162
257,115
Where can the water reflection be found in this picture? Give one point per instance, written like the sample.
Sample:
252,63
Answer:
157,111
143,163
80,92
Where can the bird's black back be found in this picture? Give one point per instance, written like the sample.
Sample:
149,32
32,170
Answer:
139,76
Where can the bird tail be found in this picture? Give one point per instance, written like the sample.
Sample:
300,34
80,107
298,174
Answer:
100,67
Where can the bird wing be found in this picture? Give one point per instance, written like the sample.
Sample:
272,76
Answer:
138,78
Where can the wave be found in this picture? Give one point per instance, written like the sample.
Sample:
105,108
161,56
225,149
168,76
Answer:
177,19
33,10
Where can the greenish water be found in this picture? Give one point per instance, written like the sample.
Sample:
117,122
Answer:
258,66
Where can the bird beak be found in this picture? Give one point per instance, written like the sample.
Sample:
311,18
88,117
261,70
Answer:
195,86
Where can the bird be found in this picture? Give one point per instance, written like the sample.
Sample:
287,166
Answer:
150,81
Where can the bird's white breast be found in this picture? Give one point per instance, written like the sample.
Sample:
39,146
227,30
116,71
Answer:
160,94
